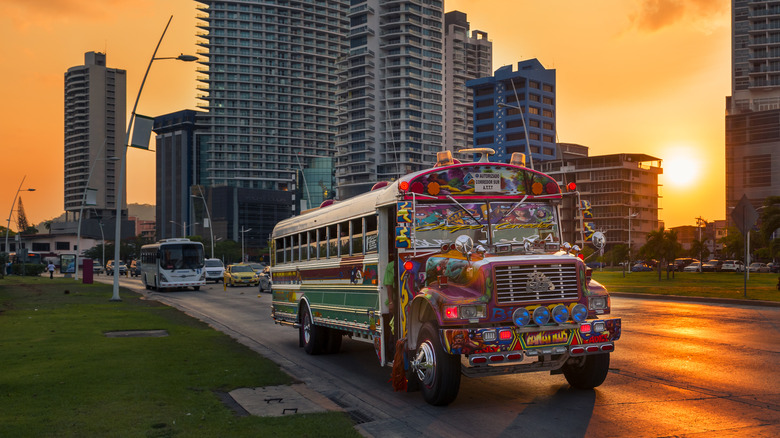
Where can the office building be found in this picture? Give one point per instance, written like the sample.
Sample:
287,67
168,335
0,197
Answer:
269,85
94,130
514,111
176,158
390,95
622,190
465,57
753,109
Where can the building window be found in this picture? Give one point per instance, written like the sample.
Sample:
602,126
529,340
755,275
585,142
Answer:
485,140
62,246
484,128
41,247
758,171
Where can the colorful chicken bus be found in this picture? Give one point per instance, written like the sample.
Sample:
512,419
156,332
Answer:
485,286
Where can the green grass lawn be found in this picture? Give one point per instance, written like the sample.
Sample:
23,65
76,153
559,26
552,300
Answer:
761,286
61,376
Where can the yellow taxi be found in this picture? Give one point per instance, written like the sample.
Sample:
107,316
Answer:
238,274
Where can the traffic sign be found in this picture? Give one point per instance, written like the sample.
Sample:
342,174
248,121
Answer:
744,215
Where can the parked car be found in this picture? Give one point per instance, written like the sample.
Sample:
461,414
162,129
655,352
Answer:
641,267
680,263
758,267
121,266
215,270
597,265
711,266
97,268
240,273
265,280
774,267
732,266
693,267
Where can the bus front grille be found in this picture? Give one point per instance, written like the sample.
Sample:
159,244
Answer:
530,283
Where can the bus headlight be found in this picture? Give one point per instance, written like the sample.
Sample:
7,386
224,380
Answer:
598,302
471,312
541,315
578,312
521,317
560,314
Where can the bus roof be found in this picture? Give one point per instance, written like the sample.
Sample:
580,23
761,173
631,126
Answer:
466,181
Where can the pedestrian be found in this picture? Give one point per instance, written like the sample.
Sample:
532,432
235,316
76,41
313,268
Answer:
51,269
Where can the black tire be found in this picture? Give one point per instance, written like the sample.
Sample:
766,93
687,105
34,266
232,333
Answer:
586,372
196,287
437,372
334,341
313,337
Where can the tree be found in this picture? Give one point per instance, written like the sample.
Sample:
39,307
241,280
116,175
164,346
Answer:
733,244
699,250
618,254
662,245
228,250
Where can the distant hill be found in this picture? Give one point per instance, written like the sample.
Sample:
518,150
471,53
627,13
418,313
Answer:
142,211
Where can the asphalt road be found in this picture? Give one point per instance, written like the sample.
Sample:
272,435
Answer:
680,369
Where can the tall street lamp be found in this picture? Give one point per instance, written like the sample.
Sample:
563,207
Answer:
184,226
208,215
525,131
242,231
81,207
8,224
629,217
118,226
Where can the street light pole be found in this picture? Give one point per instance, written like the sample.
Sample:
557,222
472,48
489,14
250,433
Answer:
211,226
184,226
630,216
120,185
242,241
81,207
8,224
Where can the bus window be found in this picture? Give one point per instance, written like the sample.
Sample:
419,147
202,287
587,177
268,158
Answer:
279,251
295,248
372,234
344,239
357,236
312,244
333,250
322,243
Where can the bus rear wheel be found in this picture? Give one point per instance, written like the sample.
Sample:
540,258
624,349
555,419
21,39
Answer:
313,338
437,372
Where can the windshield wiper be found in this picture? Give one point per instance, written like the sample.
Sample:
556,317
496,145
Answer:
513,208
466,210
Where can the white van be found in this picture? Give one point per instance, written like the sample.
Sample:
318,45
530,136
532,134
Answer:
214,270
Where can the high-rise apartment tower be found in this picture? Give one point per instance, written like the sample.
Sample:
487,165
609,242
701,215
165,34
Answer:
465,57
390,97
94,132
753,109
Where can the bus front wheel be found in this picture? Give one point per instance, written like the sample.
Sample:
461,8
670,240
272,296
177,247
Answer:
437,372
587,372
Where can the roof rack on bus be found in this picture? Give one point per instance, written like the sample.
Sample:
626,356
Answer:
484,151
175,239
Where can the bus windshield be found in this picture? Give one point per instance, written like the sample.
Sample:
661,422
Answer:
182,256
496,224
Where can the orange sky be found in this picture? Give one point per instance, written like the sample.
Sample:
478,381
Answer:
640,76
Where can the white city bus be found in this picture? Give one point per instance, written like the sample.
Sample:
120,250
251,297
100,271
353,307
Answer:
172,263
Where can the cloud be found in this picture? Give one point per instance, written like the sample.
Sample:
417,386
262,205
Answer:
26,14
653,15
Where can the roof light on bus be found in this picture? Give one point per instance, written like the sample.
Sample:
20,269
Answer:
408,266
518,159
417,187
571,186
434,188
404,185
444,158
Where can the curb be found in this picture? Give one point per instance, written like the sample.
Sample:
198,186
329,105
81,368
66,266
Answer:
697,299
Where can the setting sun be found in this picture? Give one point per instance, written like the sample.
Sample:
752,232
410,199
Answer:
681,167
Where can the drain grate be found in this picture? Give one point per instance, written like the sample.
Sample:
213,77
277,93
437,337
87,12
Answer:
136,334
359,417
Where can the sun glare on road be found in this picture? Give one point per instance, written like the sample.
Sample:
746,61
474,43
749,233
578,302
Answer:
681,167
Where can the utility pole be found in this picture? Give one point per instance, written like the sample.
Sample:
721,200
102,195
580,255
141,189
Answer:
699,222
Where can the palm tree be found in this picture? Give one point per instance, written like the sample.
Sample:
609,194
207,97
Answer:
663,246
